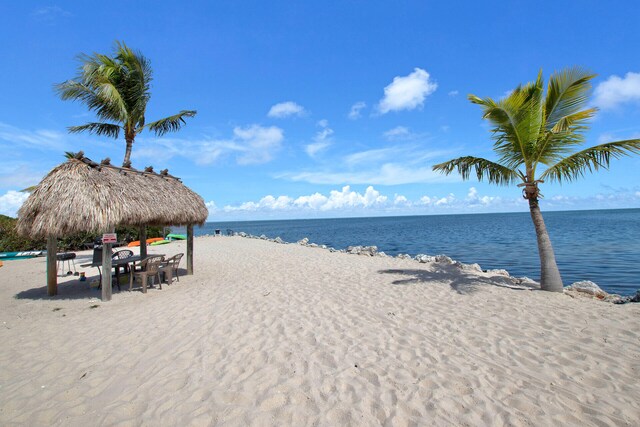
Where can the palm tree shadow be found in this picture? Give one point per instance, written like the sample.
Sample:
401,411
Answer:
464,283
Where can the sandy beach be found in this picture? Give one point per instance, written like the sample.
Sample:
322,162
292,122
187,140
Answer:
274,334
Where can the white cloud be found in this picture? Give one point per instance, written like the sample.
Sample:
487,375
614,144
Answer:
453,93
615,91
398,133
344,199
474,199
356,109
258,143
50,14
43,139
386,174
407,92
286,109
19,175
401,164
321,140
400,200
253,144
350,202
11,201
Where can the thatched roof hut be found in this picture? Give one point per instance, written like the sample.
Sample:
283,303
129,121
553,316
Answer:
81,195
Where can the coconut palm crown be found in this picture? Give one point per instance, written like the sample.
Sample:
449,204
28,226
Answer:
536,134
117,89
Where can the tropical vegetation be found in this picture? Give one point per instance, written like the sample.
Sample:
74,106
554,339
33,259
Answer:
536,133
11,241
117,89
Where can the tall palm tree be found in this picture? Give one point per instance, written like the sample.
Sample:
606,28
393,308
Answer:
117,89
535,135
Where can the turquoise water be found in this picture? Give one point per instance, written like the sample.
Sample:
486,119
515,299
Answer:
602,246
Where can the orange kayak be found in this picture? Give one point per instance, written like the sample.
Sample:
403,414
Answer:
137,242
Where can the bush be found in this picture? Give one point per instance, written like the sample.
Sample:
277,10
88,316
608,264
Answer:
11,241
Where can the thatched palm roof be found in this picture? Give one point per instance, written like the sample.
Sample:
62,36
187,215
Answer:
81,195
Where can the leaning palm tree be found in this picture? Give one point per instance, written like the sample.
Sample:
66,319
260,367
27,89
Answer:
535,137
117,89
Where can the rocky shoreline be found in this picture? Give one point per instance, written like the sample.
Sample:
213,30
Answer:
581,289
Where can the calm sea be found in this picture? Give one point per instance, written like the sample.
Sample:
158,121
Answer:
602,246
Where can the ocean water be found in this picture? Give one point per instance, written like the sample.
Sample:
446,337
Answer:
602,246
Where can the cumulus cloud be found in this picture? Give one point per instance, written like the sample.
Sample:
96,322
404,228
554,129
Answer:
253,144
355,112
11,201
348,202
474,199
345,199
400,200
407,92
618,90
286,109
321,140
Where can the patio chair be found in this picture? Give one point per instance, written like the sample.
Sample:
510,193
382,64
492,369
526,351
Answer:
170,266
122,254
150,268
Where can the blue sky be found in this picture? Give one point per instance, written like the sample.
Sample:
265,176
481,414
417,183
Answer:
320,109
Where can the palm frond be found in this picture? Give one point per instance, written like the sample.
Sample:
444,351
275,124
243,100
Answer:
590,159
494,173
567,93
107,129
171,123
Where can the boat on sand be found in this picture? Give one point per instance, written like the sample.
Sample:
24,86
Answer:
149,241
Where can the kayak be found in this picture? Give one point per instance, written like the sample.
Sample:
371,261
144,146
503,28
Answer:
20,255
176,237
149,241
160,242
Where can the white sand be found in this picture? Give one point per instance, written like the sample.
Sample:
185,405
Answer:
268,334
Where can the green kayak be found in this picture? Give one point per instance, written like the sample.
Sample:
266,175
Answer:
176,237
160,242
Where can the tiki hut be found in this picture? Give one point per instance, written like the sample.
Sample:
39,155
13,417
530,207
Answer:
82,195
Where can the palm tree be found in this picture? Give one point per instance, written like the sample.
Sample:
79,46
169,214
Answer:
535,134
117,89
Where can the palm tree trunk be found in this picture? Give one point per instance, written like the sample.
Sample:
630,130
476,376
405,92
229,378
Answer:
550,279
127,154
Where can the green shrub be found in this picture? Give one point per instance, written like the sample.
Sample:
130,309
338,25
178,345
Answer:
11,241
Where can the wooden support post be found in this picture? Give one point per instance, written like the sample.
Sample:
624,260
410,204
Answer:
143,241
106,272
190,249
52,268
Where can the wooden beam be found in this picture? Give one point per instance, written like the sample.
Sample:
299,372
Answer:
190,249
143,241
106,272
52,268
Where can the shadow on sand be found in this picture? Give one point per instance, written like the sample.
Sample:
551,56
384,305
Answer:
72,288
462,282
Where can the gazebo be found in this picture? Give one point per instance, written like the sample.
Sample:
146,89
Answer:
82,195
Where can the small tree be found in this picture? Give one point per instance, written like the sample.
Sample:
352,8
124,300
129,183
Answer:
117,89
535,130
